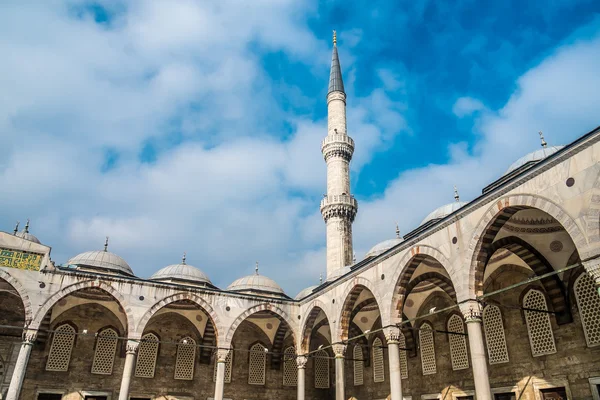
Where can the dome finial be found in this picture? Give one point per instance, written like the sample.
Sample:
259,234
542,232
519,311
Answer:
334,38
354,257
27,226
456,196
106,244
183,258
397,231
544,144
256,268
16,228
321,278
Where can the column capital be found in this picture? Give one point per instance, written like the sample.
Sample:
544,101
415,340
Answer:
592,267
392,334
29,336
132,346
222,355
301,361
471,310
339,349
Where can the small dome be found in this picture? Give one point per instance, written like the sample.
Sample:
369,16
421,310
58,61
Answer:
443,211
256,283
28,236
181,273
382,247
534,156
305,292
103,260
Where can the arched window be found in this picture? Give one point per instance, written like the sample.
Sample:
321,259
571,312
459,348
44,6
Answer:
378,368
290,369
104,356
228,365
321,370
403,360
256,365
494,335
588,303
359,365
146,359
458,343
427,349
186,357
539,328
62,346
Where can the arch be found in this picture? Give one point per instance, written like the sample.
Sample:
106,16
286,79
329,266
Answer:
22,294
309,321
504,269
493,220
203,304
145,363
404,270
539,328
257,358
427,346
186,359
356,286
438,279
271,308
105,351
48,304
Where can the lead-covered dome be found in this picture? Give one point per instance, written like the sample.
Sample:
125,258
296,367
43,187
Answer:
101,261
533,157
25,234
382,247
181,273
445,210
256,284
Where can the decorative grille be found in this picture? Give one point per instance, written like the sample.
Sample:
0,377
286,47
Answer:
403,360
186,356
290,369
256,365
539,329
588,303
427,350
62,346
321,370
494,335
104,357
359,365
146,359
458,343
378,368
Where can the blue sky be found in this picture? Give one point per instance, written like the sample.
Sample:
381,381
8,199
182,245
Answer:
195,126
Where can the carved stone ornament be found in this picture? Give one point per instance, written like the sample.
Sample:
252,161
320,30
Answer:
472,311
392,334
132,346
301,361
222,355
339,349
593,268
29,336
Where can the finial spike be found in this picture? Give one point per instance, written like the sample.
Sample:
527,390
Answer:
456,196
183,258
27,226
256,268
106,244
354,257
334,38
544,144
397,231
321,278
16,228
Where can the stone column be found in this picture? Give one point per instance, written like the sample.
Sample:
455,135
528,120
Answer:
301,362
392,335
16,382
472,311
592,267
339,349
129,368
220,382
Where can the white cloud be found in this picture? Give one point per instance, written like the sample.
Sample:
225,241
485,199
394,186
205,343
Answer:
465,106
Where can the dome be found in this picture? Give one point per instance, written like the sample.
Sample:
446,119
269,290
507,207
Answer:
181,273
103,260
382,247
255,283
305,292
443,211
28,236
534,156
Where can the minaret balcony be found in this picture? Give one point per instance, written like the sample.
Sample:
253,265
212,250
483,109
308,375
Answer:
343,205
337,145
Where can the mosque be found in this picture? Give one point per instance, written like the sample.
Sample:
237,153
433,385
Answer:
497,298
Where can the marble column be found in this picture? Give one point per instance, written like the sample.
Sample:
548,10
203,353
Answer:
592,267
472,312
129,368
392,335
16,382
301,362
339,349
220,381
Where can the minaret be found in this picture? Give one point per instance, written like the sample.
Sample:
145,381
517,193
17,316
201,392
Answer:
338,207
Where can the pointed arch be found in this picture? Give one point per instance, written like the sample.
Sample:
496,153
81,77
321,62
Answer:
356,286
268,307
308,323
437,279
14,282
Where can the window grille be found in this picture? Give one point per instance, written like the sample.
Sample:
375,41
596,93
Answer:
458,343
359,365
290,369
427,350
256,365
228,365
378,368
588,303
403,359
146,359
61,348
104,356
186,356
539,328
494,335
321,370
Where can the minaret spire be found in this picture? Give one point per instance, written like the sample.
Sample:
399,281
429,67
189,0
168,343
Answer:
456,196
16,228
544,144
338,206
106,244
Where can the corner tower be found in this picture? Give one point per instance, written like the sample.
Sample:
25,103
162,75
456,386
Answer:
338,207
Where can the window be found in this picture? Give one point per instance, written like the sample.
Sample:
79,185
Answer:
539,329
146,359
458,343
378,368
427,349
104,356
588,303
558,393
321,370
494,335
49,396
186,356
359,365
290,369
228,365
505,396
256,365
62,346
403,361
